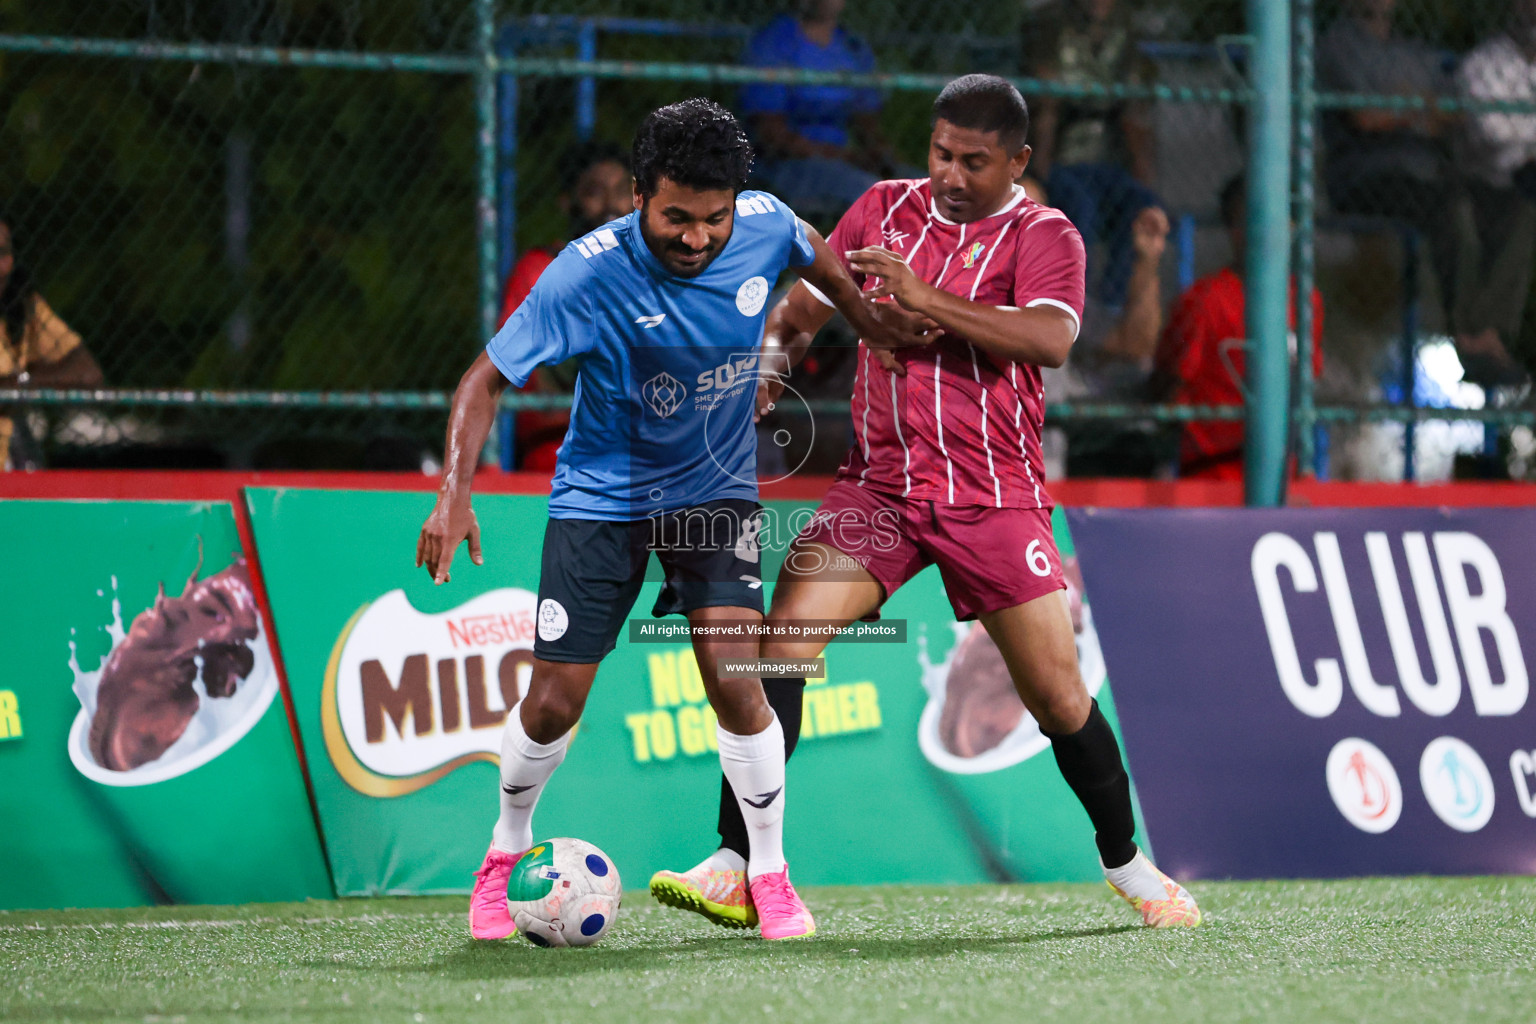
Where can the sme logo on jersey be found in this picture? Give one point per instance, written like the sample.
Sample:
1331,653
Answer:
726,380
598,241
665,394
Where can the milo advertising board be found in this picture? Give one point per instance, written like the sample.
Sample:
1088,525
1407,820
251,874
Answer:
144,743
917,763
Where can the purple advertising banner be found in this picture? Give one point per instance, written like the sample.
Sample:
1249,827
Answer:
1323,692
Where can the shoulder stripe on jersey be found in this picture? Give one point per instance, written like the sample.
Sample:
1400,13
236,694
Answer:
597,242
746,206
1047,214
911,189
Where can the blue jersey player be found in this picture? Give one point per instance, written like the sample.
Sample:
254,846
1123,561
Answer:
663,310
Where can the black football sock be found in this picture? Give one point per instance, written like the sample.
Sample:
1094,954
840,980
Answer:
786,697
1089,760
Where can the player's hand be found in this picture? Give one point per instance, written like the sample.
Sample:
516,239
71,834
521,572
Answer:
452,522
897,279
895,327
1149,233
886,358
773,368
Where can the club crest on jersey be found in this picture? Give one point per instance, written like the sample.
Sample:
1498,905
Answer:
970,256
664,393
751,296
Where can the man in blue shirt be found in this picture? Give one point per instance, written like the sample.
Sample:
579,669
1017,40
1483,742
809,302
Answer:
822,146
664,311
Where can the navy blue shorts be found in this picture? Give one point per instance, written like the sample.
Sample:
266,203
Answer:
592,571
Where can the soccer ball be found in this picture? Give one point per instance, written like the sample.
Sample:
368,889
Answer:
564,892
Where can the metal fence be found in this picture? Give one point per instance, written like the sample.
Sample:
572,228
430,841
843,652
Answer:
1417,253
283,227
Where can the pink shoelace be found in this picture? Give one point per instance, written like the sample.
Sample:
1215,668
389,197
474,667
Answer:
774,894
500,864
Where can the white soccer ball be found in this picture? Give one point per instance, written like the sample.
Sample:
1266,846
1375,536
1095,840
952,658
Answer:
564,892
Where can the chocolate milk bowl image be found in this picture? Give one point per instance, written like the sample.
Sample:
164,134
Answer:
990,761
147,694
974,721
179,736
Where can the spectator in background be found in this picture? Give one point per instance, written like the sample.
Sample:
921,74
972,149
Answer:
1109,362
37,349
1394,163
1200,359
1499,155
1095,156
596,187
819,147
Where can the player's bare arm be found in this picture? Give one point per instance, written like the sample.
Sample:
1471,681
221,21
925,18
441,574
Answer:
791,326
1042,335
828,276
794,322
469,424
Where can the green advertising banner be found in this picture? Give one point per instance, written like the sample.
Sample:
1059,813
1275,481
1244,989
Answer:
144,744
917,761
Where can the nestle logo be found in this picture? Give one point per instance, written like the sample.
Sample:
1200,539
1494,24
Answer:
488,630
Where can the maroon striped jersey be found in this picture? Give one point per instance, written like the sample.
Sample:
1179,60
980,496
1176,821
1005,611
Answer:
962,427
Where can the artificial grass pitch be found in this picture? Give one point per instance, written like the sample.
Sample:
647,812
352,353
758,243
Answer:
1417,949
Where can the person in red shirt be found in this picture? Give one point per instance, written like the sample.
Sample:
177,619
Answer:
598,189
1200,358
946,467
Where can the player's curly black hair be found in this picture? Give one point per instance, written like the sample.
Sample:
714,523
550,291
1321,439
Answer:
985,103
696,143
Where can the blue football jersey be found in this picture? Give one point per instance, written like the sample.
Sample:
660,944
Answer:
662,416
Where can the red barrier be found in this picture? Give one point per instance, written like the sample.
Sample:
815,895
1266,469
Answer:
168,485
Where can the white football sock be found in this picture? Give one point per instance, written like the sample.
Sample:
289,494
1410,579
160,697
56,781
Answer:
724,860
1138,879
525,767
754,766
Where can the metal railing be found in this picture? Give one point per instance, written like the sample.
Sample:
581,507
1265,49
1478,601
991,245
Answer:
494,60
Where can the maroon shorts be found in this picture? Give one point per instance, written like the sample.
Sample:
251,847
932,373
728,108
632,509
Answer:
989,558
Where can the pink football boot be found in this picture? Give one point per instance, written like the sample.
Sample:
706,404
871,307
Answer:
488,914
780,912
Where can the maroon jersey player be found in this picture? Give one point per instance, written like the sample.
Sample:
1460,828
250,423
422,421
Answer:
946,467
962,426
